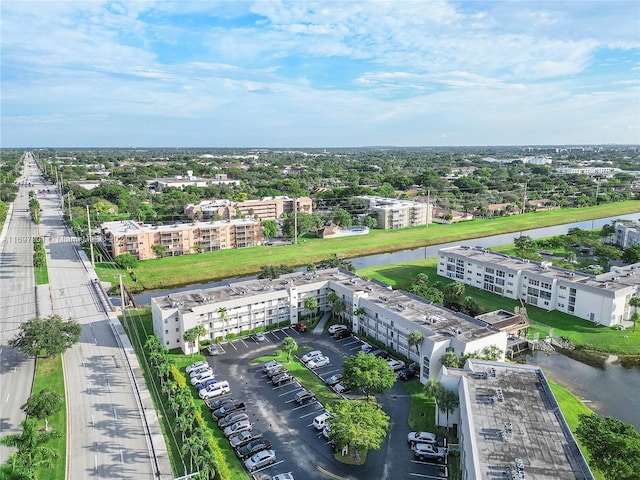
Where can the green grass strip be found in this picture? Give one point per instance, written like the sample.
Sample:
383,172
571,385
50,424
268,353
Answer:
49,375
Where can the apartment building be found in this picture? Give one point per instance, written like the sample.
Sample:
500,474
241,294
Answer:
602,299
510,425
268,208
391,213
139,239
627,233
371,307
190,180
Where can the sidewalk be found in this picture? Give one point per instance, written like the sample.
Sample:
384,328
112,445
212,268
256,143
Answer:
320,327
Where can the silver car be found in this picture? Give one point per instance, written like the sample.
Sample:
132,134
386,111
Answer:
260,459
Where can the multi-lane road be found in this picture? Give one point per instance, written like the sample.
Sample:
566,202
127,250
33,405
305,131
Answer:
108,423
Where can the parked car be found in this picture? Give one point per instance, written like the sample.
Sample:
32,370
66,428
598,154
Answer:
281,379
366,348
320,421
237,440
215,390
229,408
333,379
237,427
202,377
412,371
333,329
195,366
379,353
422,437
301,327
277,370
221,402
206,383
258,337
340,388
283,476
311,355
200,370
260,459
212,349
270,364
396,365
252,448
232,418
318,362
427,451
304,396
343,333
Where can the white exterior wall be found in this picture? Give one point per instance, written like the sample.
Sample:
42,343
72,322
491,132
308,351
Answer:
466,433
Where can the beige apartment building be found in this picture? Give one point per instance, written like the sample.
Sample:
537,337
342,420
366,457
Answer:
139,239
391,213
269,208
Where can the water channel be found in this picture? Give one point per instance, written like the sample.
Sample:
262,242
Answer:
613,391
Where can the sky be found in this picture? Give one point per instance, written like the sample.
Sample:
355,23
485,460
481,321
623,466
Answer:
329,73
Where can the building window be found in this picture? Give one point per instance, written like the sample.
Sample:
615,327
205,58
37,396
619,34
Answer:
166,332
177,329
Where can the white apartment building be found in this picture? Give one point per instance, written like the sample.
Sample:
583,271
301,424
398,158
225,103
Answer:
627,233
510,424
268,208
373,308
602,299
391,213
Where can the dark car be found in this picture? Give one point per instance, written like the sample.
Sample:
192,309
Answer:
333,379
216,404
342,334
304,397
238,440
229,408
232,418
379,353
301,327
277,370
252,447
410,372
206,383
281,379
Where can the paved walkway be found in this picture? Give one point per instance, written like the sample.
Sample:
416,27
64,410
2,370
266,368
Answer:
320,327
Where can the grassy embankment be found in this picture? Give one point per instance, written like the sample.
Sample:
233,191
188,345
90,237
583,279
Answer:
49,375
581,332
200,268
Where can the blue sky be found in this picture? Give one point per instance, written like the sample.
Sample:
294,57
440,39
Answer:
319,74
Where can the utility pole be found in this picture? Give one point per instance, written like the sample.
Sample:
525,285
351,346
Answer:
68,204
124,313
295,220
93,264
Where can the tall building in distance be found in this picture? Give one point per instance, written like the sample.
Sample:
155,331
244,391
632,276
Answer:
268,208
391,213
152,241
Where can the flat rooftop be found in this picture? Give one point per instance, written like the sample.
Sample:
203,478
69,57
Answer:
441,321
125,227
611,281
514,415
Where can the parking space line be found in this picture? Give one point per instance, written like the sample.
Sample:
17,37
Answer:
351,342
274,334
297,389
354,348
328,373
231,343
313,413
305,405
286,384
422,475
244,343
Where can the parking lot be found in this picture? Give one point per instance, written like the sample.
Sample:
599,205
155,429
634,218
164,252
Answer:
299,447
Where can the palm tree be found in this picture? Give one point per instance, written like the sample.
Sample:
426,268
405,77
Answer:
33,451
164,370
206,462
222,312
169,388
433,388
447,402
415,339
310,304
192,335
13,469
185,424
289,345
635,303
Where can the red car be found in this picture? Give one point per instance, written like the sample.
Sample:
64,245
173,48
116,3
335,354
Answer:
301,327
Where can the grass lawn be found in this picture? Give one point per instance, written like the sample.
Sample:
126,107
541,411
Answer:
581,332
422,413
200,268
571,406
49,375
143,327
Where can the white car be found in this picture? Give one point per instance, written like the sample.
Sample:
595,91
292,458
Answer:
311,355
421,437
396,365
200,370
333,329
203,377
366,348
260,459
320,421
283,476
318,362
195,366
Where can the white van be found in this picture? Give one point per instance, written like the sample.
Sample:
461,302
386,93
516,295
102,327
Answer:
321,420
215,390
